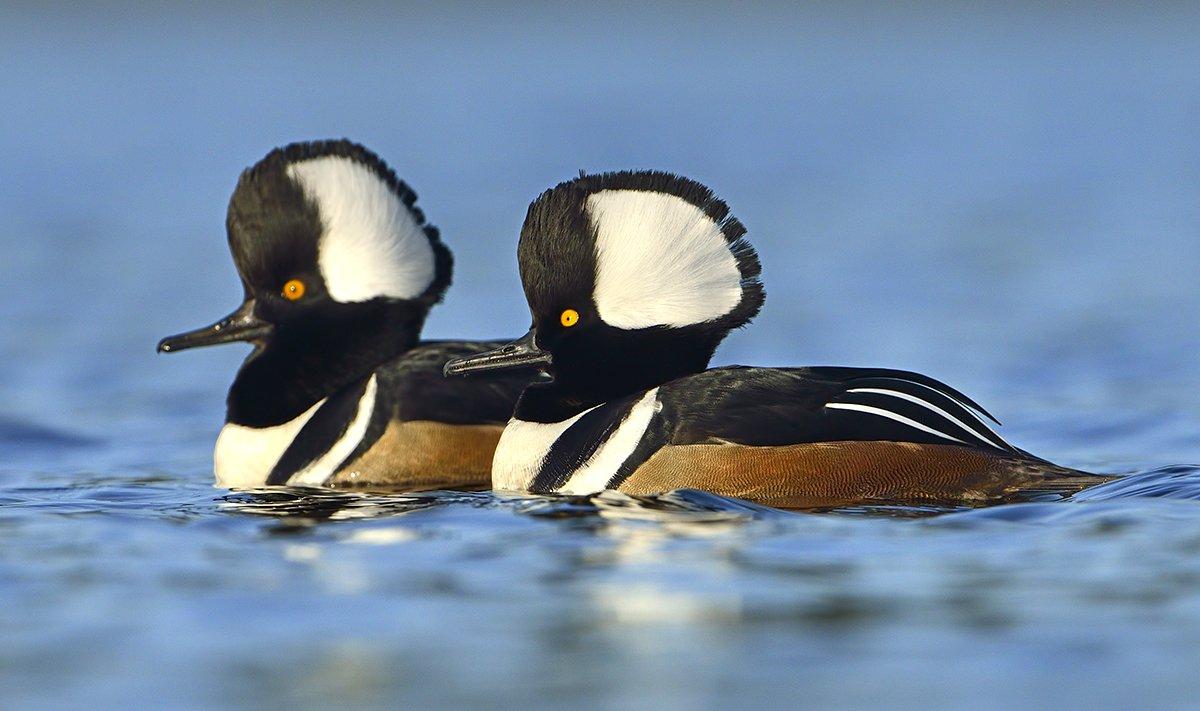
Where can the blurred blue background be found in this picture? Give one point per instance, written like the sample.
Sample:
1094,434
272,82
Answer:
1005,197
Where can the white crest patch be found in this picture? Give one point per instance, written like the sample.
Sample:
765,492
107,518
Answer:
660,261
371,246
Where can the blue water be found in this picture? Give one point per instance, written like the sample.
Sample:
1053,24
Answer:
1007,199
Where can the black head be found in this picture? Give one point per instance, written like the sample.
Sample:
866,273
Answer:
632,279
338,268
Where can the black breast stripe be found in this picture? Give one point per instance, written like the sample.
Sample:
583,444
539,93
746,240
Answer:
319,434
578,443
656,436
376,426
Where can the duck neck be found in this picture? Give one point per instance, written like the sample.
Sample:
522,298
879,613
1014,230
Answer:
299,367
586,377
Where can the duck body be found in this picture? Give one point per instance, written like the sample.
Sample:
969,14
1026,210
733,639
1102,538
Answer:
789,437
633,279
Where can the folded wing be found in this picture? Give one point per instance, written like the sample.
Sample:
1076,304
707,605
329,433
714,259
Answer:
783,406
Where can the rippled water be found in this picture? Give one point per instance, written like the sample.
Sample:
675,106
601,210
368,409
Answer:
1007,200
148,586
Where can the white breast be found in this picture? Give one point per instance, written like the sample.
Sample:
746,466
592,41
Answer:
524,445
244,456
522,448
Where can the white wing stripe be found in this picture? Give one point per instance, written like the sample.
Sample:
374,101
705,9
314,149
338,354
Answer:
929,406
948,396
891,416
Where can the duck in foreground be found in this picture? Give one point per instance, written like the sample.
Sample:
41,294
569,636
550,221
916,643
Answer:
339,270
633,279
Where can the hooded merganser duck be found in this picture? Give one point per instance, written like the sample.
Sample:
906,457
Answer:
633,279
339,270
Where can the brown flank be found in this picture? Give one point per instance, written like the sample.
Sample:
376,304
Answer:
832,474
421,455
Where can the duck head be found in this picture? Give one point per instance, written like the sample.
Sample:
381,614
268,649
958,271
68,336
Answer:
632,280
338,271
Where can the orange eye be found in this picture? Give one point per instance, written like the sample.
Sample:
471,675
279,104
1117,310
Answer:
293,290
569,318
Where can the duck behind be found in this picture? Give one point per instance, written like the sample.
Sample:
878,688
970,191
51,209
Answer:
339,270
633,279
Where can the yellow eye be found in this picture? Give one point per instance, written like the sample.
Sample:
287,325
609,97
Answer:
293,290
569,318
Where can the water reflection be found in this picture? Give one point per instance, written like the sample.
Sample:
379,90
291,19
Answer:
302,507
315,505
584,589
309,506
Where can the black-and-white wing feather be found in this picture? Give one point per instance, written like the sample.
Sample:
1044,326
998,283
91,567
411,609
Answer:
780,406
922,404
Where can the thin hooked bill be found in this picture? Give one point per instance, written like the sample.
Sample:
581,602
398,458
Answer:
521,353
241,325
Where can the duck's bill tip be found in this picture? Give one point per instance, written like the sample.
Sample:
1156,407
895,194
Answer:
522,353
241,325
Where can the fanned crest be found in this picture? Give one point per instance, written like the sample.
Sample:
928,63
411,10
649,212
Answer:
662,251
373,242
